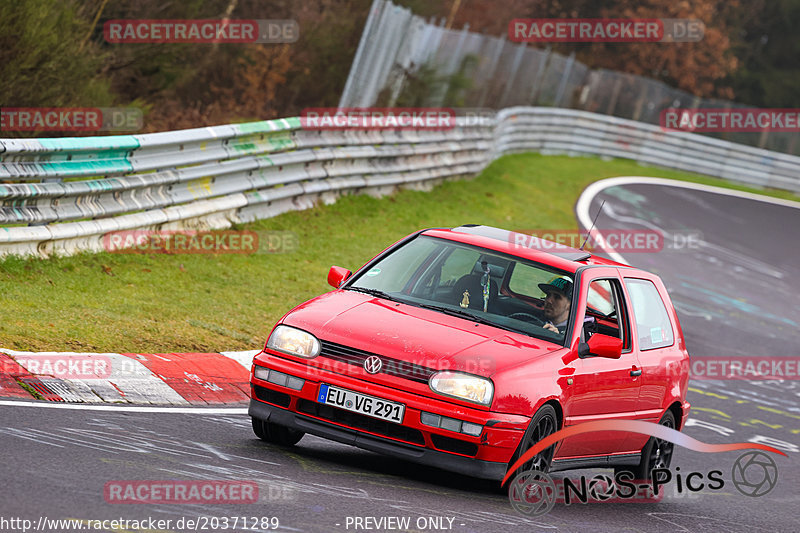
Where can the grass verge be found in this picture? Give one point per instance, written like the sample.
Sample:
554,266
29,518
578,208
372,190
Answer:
206,303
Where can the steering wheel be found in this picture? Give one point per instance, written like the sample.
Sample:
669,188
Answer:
527,317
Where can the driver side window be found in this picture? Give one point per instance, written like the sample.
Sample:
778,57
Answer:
605,311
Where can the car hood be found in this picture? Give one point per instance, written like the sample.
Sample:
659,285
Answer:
409,333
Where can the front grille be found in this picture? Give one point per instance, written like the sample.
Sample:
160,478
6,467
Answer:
449,444
363,422
392,367
271,396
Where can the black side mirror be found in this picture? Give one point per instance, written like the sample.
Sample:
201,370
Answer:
583,349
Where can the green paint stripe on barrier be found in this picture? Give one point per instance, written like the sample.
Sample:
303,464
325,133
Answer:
262,126
266,126
87,167
281,142
100,185
294,122
80,156
97,144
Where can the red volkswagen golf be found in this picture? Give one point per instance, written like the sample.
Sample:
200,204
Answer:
461,348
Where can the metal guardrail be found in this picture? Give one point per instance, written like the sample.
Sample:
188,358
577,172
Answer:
558,131
62,195
69,192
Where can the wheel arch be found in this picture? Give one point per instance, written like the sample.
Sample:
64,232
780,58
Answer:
555,404
677,412
559,411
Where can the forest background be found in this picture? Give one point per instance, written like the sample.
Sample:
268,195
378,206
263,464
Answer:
53,54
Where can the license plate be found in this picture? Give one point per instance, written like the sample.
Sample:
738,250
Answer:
361,403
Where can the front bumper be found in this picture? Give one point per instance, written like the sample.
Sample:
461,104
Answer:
417,454
485,456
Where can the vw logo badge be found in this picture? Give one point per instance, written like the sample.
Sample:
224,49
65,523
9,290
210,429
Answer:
373,364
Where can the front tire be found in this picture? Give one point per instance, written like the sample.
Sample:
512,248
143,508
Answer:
275,434
543,424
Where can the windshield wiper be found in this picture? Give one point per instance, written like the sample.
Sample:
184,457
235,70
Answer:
373,292
475,318
464,314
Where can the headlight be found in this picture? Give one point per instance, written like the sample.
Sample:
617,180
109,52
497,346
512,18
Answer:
294,341
464,386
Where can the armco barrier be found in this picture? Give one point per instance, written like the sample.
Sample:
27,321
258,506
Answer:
558,131
63,195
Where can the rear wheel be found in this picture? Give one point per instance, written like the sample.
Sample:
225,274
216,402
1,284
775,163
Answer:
657,453
276,434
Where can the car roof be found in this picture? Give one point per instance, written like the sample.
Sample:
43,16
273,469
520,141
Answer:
520,245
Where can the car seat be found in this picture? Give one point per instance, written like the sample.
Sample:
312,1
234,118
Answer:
472,283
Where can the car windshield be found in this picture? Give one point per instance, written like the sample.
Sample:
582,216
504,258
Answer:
473,283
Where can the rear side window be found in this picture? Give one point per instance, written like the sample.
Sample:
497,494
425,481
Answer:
652,321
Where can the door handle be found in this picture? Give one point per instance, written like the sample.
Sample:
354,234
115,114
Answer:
635,373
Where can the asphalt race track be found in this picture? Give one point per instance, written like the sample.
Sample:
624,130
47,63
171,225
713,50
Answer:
735,295
730,264
63,459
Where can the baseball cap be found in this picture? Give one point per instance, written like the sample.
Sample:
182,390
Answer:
560,284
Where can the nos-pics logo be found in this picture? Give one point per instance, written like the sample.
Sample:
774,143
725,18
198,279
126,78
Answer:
534,493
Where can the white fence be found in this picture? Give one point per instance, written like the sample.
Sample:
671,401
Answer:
63,195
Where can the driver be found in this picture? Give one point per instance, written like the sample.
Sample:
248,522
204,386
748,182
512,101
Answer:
557,304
